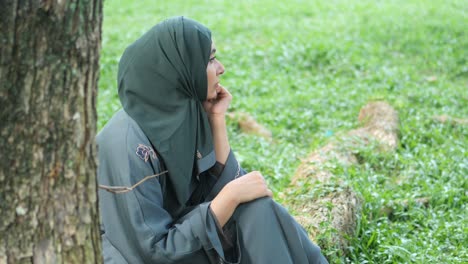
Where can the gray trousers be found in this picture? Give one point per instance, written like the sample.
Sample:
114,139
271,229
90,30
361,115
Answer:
269,234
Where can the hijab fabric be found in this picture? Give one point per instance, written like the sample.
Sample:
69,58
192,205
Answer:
162,83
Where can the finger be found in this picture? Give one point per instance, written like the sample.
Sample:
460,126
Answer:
222,94
223,90
258,173
269,193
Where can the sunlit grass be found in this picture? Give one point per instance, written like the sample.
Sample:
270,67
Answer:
304,68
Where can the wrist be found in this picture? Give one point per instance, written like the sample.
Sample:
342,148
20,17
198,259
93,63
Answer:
217,117
224,205
217,120
230,196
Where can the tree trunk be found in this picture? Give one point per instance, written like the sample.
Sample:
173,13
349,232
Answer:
49,67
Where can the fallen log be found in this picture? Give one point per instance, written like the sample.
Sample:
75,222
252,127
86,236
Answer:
403,205
321,200
445,119
249,125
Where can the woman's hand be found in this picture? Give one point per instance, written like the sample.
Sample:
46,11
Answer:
241,190
249,187
220,104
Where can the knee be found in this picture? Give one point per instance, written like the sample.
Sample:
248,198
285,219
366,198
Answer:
315,253
259,205
257,210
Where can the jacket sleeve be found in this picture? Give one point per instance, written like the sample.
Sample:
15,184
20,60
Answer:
232,170
135,223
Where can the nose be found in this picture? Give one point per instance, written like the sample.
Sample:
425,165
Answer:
219,68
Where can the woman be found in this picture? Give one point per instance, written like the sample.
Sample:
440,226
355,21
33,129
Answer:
198,209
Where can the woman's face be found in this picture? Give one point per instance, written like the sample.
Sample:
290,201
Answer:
213,70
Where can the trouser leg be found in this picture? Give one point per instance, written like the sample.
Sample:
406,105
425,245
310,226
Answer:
268,234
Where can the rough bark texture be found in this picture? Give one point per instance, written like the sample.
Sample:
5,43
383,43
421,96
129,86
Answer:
330,213
49,68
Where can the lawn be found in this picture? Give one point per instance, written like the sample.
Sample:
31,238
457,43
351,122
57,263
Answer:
303,69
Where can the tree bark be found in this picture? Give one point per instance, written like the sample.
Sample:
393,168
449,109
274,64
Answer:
49,67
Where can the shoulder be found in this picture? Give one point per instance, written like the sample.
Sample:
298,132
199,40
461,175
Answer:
115,130
122,141
124,152
121,132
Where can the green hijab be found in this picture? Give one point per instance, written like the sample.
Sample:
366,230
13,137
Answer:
162,83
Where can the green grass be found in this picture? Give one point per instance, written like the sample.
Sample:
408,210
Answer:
304,68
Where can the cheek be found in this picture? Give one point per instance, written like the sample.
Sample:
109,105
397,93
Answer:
211,72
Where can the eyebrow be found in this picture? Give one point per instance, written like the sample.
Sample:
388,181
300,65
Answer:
213,51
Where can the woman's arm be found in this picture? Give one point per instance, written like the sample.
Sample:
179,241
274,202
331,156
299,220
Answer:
244,189
220,137
241,190
216,110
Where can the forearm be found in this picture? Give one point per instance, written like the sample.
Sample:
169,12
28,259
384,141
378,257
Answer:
241,190
223,206
220,137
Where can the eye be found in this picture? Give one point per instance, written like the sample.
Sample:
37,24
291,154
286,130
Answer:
213,59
